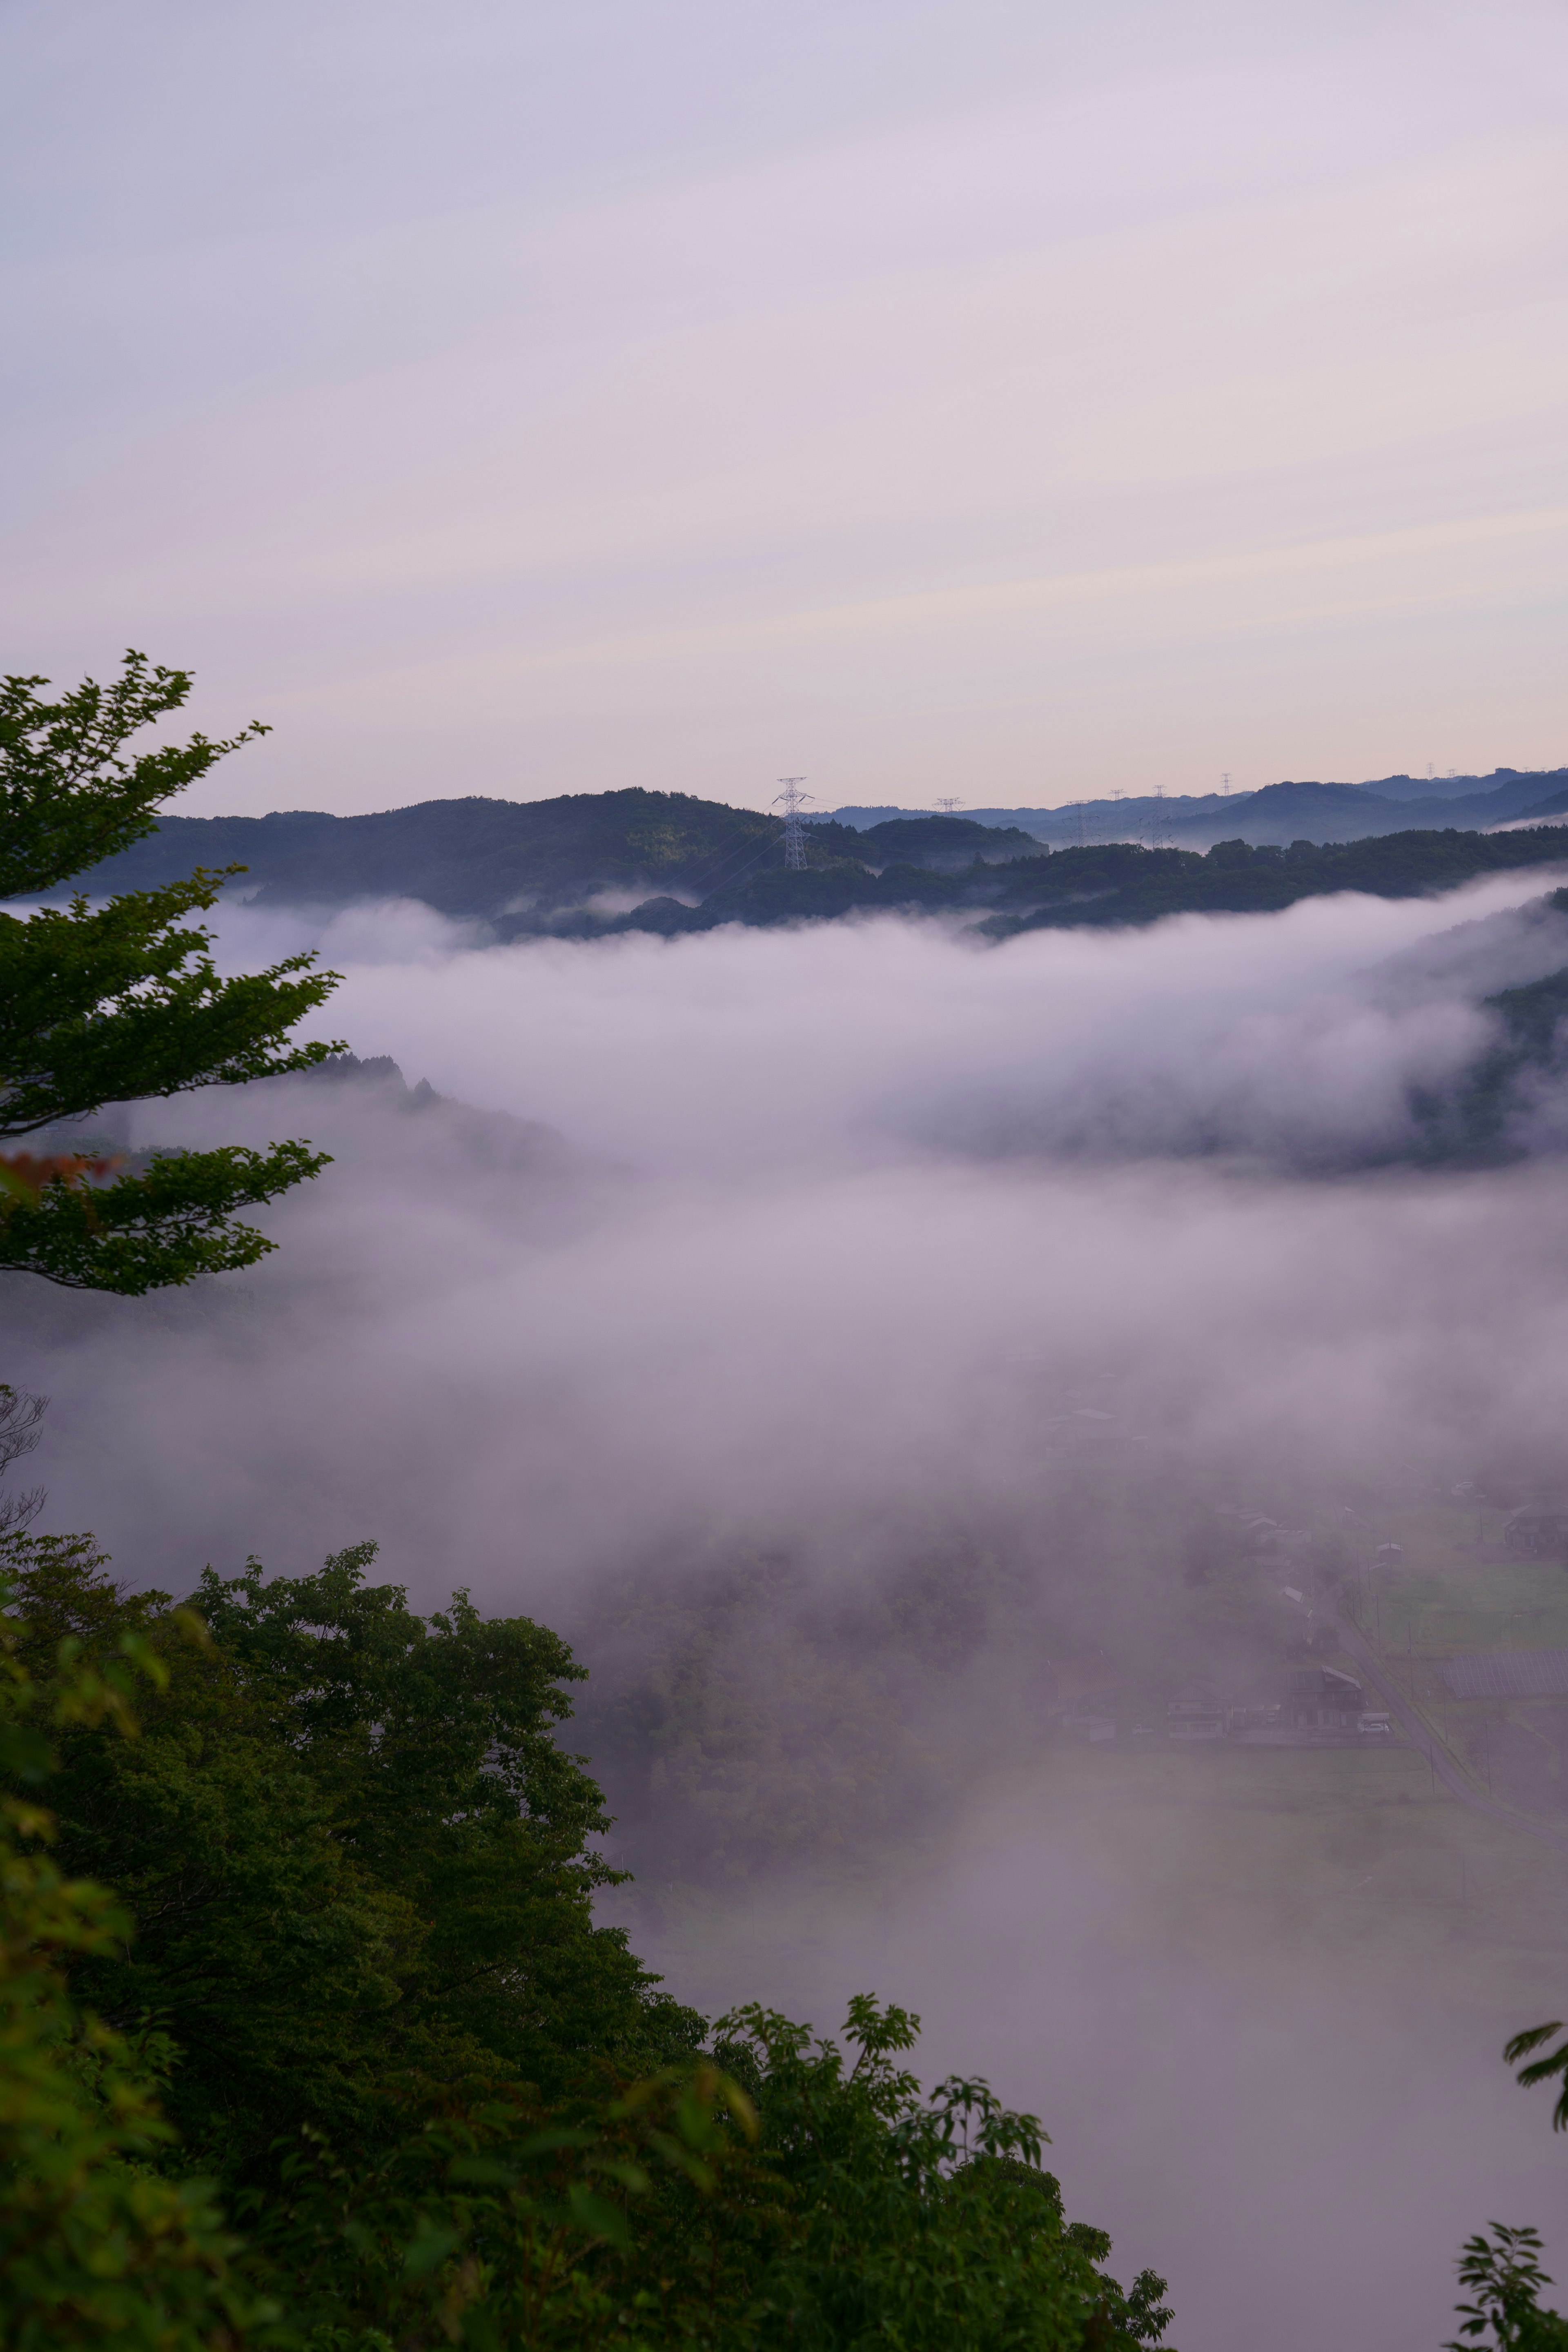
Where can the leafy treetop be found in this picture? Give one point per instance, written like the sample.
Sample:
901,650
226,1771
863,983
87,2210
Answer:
120,1001
68,796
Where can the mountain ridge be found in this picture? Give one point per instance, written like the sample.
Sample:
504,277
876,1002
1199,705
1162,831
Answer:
586,864
1353,810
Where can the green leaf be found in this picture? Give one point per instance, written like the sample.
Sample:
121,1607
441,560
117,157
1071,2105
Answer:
482,2171
596,2217
429,2247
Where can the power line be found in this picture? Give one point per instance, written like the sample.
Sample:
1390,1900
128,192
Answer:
739,873
792,800
739,842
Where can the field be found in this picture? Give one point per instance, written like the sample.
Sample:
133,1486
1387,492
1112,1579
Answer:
1456,1589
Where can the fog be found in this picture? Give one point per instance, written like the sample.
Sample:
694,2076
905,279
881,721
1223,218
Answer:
869,1314
872,1044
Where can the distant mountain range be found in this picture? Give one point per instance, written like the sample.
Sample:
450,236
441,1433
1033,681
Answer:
1279,813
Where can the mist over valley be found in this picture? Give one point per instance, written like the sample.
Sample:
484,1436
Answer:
912,1371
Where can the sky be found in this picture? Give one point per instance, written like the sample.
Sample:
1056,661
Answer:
998,401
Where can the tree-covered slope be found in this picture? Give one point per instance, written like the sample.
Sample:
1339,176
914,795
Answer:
1117,883
528,859
462,857
539,866
1125,884
345,1960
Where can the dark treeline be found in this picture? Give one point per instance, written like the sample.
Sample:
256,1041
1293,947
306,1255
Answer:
537,867
1122,882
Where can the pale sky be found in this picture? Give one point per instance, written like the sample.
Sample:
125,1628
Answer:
1001,398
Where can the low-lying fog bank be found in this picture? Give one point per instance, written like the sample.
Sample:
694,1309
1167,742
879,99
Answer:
834,1331
859,1044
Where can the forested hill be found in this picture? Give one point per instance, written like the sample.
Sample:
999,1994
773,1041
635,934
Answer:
490,858
1123,884
534,864
666,862
474,857
1119,883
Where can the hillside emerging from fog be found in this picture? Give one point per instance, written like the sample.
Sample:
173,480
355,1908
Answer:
592,863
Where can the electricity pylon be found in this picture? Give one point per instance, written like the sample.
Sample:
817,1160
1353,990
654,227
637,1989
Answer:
792,800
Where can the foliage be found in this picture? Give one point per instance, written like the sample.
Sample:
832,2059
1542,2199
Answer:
921,2220
97,2246
635,2216
121,1001
815,2204
356,1855
151,1230
444,2107
1504,2273
1543,2070
20,1414
68,797
1505,2276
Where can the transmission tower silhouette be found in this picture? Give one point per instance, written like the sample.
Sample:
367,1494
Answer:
792,800
947,805
1160,823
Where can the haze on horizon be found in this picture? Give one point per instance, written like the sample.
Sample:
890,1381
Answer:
1008,403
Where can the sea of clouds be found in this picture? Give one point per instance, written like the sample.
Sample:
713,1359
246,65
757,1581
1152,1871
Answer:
815,1229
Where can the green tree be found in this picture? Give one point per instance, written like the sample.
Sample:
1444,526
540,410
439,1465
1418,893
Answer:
636,2215
121,1002
98,2247
1504,2271
814,2206
358,1859
1554,2067
921,2219
445,2108
1504,2274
